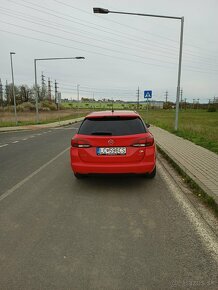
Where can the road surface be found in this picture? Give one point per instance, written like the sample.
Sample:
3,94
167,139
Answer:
57,232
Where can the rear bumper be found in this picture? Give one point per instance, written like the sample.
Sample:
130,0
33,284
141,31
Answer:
147,165
139,168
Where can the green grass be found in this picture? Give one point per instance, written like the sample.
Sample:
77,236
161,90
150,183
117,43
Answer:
198,126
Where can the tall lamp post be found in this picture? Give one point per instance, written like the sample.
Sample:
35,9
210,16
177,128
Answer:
106,11
35,72
12,76
78,100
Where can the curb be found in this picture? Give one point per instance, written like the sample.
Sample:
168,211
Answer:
41,126
207,196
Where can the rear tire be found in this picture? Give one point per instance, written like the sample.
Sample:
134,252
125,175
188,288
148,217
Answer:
152,174
79,176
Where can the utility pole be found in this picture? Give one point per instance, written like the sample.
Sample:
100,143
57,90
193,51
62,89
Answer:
185,103
166,96
43,86
43,80
49,89
13,89
77,93
181,93
166,99
138,98
193,103
1,93
7,93
56,94
77,100
197,103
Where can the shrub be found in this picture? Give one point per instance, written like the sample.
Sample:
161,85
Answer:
45,109
211,109
46,104
26,107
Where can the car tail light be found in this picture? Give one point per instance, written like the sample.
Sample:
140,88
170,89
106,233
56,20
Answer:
144,142
79,143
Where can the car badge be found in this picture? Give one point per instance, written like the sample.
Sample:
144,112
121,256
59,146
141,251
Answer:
110,142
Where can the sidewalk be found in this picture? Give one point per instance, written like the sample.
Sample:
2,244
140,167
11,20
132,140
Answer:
197,162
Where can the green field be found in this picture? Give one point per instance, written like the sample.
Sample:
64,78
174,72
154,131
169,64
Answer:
102,106
198,126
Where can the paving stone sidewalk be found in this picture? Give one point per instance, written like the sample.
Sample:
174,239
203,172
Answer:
199,163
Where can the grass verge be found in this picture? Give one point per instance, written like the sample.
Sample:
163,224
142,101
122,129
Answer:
195,188
197,126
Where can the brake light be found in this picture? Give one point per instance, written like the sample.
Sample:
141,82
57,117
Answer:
79,143
144,142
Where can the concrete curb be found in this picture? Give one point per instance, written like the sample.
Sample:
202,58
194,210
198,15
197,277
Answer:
188,173
41,126
197,163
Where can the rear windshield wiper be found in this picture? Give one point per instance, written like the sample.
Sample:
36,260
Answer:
101,133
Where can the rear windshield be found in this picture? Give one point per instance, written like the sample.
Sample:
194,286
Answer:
112,126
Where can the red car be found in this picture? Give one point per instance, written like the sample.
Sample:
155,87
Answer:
113,142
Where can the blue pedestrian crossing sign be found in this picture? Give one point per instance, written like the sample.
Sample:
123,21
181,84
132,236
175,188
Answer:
147,94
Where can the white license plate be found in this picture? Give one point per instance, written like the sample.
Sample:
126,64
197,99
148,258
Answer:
111,151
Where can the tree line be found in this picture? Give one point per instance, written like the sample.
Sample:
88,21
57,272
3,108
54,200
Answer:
23,94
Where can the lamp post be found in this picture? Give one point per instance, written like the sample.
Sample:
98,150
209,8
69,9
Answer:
78,101
106,11
12,76
35,72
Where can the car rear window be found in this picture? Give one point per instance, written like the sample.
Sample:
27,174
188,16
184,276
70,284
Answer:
112,126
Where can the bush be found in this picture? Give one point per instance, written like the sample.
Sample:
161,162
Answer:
46,104
45,109
211,109
26,107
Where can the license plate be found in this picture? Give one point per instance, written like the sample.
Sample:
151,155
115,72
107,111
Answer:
111,151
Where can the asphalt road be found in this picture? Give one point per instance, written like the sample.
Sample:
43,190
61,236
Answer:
57,232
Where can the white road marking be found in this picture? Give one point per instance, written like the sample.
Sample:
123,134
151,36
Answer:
3,145
39,134
25,139
207,236
22,182
15,142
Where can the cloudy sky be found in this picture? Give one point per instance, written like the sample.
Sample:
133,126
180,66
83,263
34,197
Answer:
121,52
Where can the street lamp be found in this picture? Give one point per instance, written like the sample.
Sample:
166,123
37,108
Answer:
12,75
106,11
78,100
36,86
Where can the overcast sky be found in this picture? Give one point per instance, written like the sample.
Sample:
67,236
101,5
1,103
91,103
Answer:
121,52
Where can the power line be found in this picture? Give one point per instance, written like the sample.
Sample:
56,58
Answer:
96,46
128,26
92,27
69,16
102,54
70,32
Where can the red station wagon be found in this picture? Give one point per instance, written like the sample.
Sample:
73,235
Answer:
113,142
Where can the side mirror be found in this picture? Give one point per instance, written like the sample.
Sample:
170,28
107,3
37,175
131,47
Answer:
147,125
